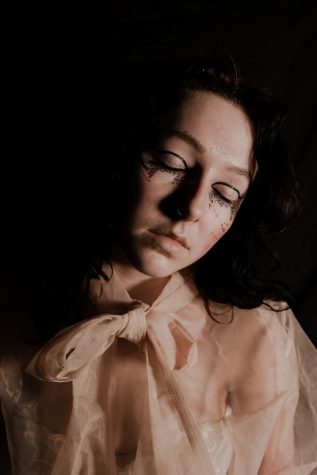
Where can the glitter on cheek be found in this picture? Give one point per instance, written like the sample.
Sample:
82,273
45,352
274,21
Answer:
178,178
211,199
216,198
224,227
150,170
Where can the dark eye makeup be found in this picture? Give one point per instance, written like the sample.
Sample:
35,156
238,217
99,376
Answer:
228,191
165,161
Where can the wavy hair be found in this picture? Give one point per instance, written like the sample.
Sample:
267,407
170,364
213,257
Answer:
272,199
143,108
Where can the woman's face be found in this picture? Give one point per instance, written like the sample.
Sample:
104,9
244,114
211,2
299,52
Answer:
190,186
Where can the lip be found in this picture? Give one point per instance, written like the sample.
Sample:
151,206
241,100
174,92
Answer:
170,239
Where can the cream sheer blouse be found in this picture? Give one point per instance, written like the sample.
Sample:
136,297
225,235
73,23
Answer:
164,390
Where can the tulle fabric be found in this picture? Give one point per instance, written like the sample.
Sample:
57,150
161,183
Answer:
164,390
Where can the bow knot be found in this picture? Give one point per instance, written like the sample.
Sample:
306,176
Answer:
134,324
73,348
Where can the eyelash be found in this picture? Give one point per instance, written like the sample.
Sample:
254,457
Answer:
163,165
157,165
219,195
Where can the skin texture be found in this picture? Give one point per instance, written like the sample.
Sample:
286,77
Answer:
191,187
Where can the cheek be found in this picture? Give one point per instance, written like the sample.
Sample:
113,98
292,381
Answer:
149,193
218,225
208,244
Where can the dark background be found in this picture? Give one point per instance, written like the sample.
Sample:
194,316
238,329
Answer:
60,60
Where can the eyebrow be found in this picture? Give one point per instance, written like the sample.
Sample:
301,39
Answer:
200,149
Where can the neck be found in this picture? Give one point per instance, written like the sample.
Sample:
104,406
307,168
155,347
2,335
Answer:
139,286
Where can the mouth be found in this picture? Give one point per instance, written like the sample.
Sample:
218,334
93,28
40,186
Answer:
169,238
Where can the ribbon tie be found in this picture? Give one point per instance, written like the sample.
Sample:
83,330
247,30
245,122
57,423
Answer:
167,346
62,358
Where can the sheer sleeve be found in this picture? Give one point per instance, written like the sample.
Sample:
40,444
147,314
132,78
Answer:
274,399
306,411
5,466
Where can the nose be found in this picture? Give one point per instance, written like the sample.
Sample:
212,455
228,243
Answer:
195,203
190,200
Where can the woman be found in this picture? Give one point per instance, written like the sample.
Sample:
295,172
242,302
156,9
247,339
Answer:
184,360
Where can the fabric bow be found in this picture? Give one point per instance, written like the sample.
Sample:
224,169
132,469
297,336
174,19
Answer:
63,357
166,345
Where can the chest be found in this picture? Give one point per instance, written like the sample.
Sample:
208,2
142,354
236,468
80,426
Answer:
203,386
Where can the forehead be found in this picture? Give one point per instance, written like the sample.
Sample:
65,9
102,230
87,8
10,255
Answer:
220,128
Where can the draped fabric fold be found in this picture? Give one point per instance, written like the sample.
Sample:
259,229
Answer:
74,348
62,358
164,390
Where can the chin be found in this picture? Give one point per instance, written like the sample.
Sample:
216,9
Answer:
155,264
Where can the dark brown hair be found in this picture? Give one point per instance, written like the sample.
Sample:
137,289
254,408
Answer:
143,107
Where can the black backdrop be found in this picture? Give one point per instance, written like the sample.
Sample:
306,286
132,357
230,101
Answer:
59,59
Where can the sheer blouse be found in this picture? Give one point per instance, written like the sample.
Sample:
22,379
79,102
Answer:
164,389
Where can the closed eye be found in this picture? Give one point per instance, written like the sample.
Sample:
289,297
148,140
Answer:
166,162
163,166
221,196
227,191
171,160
